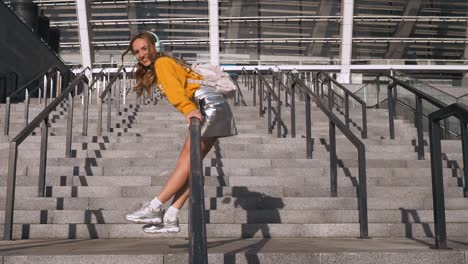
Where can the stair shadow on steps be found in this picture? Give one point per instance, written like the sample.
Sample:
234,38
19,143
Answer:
456,169
405,217
251,227
217,163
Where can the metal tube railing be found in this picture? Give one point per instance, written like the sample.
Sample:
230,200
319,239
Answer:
24,88
41,118
419,96
107,92
461,112
198,252
271,95
329,81
336,122
298,85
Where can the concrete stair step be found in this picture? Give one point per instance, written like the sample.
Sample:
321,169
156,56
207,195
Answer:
229,250
240,216
347,230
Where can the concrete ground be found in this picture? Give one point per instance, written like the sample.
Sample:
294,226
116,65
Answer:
229,251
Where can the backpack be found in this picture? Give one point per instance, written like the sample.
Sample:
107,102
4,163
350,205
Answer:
213,76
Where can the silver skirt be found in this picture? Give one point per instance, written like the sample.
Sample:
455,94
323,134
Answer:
218,118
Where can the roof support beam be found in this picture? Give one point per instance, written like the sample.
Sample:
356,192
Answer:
465,57
83,11
404,30
132,15
319,30
346,41
214,31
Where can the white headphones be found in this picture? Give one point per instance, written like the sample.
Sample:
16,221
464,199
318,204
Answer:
157,45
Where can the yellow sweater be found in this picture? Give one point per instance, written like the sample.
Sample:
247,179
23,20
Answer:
173,80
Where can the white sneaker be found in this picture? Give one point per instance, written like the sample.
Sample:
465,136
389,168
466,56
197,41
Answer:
146,215
167,227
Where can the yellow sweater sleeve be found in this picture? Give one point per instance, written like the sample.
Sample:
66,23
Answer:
173,86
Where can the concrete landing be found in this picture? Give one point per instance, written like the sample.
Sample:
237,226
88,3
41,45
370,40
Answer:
230,251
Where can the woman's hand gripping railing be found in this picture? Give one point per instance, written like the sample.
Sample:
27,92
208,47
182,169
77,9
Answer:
108,92
198,253
48,76
461,112
271,95
334,122
41,119
327,80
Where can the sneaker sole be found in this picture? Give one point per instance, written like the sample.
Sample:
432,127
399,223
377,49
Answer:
163,230
156,221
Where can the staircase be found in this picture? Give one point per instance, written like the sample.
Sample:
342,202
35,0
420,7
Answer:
257,186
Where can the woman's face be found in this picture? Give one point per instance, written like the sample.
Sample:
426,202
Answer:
141,50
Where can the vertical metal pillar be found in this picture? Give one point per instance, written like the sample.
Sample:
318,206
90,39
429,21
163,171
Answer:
440,232
464,136
85,33
43,157
308,127
214,31
346,40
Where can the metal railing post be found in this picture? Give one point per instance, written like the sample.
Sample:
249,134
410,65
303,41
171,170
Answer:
10,195
391,111
270,124
43,157
363,217
278,117
6,128
254,85
99,117
85,110
333,161
69,126
440,233
364,121
124,88
198,253
378,92
109,110
293,112
260,98
419,127
464,137
446,129
347,110
26,109
308,127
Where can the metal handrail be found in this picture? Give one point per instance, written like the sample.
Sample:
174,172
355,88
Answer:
34,79
107,92
239,97
41,118
334,122
419,95
198,252
54,70
270,93
348,94
461,112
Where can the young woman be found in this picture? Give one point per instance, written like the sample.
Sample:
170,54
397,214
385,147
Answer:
176,82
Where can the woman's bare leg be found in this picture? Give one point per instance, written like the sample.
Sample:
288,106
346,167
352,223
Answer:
177,184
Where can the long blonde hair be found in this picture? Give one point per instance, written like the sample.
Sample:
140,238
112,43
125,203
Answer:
145,76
